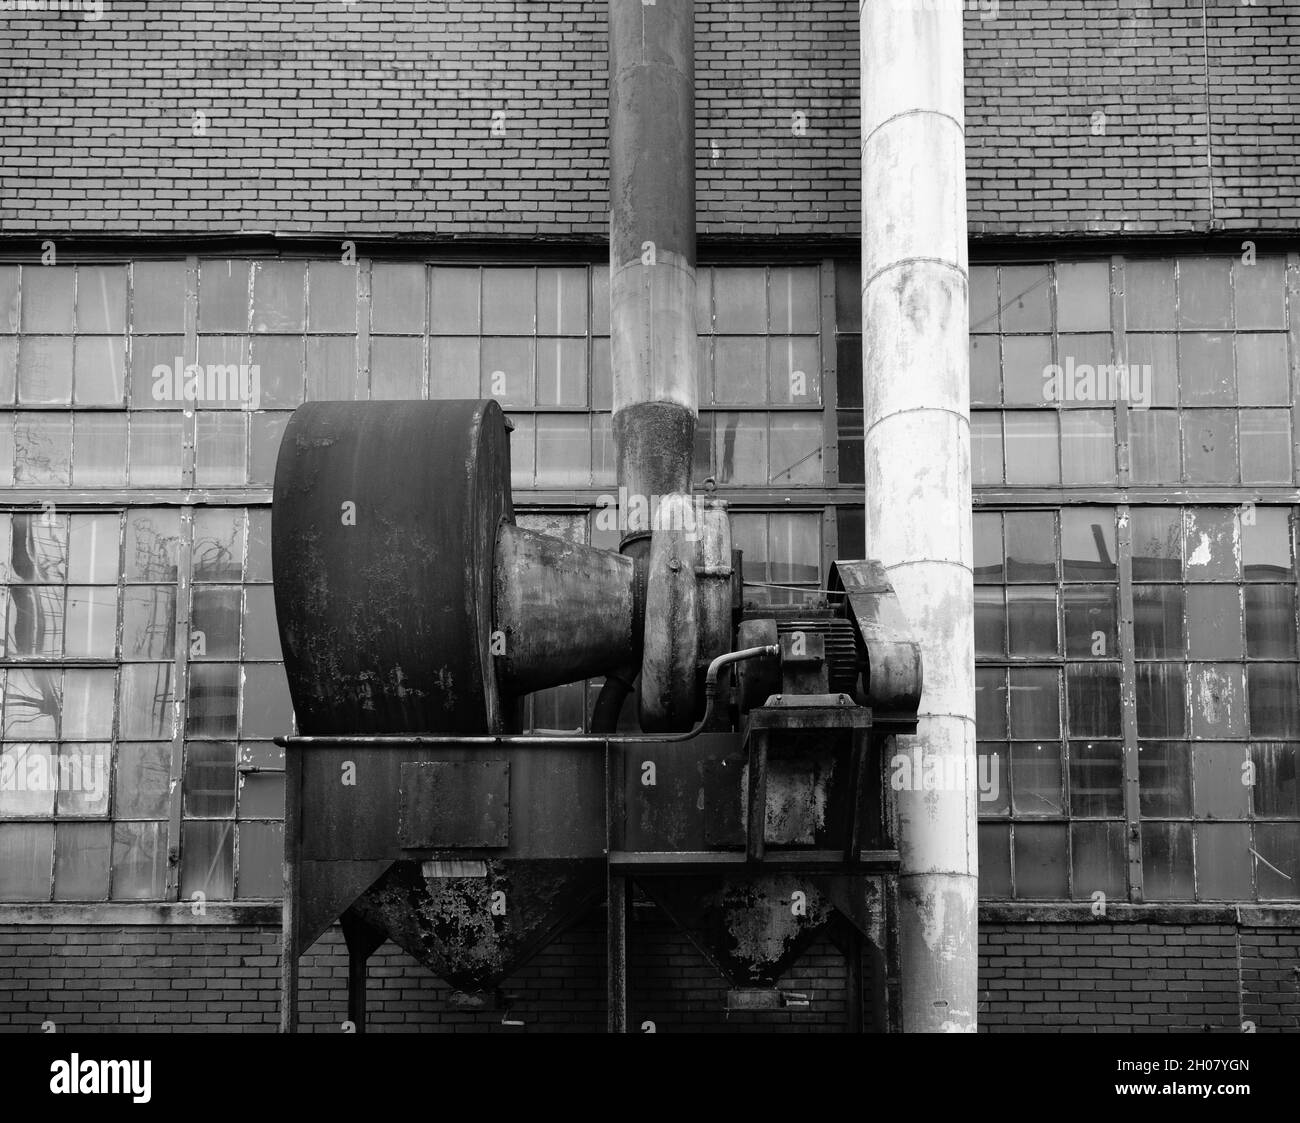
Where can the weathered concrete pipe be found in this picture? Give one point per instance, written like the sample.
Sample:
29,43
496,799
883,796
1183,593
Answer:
652,312
918,498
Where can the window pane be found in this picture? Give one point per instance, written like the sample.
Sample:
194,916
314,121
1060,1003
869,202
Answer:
92,549
32,703
218,544
146,700
40,548
795,299
1274,692
221,452
43,449
794,371
990,622
91,623
36,621
1031,546
1087,446
1270,621
259,545
1213,621
1083,296
523,451
1153,440
1158,622
279,296
156,449
994,860
261,794
983,289
1036,780
1025,359
81,857
214,623
1099,860
29,854
148,622
1025,298
1265,446
1279,847
1033,447
9,298
214,700
984,371
332,296
796,449
223,385
1204,292
1210,446
30,781
1263,378
261,852
268,711
100,371
84,777
158,296
397,301
1088,544
1218,691
1167,861
1218,781
1161,700
794,549
986,448
209,788
1205,369
1212,545
1157,544
563,450
454,297
993,774
208,859
739,301
1223,861
44,370
332,370
261,636
562,372
1093,700
1266,544
47,298
1041,860
139,861
509,299
1149,294
740,442
990,703
1035,703
453,368
506,371
223,296
1164,779
1090,622
561,301
1096,779
143,779
88,703
988,547
1031,613
1260,290
100,441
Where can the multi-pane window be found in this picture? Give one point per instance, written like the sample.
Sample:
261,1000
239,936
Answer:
1199,369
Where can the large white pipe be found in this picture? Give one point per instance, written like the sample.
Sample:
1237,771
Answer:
918,499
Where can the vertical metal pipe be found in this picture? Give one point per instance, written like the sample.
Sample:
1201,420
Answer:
918,501
652,246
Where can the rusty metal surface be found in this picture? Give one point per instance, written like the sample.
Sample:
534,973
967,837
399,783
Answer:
454,804
894,674
564,611
474,931
671,648
383,537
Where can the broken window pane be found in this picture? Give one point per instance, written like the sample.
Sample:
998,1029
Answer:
1041,860
1035,702
1277,871
1158,622
1036,778
1161,700
209,788
1096,779
139,861
1223,861
1099,860
1167,861
1093,699
1090,622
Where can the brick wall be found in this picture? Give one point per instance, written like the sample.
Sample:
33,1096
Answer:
1086,978
378,119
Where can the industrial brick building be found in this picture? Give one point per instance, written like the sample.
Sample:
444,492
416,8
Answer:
409,200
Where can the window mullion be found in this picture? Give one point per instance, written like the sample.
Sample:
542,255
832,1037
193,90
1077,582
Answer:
180,676
1128,706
